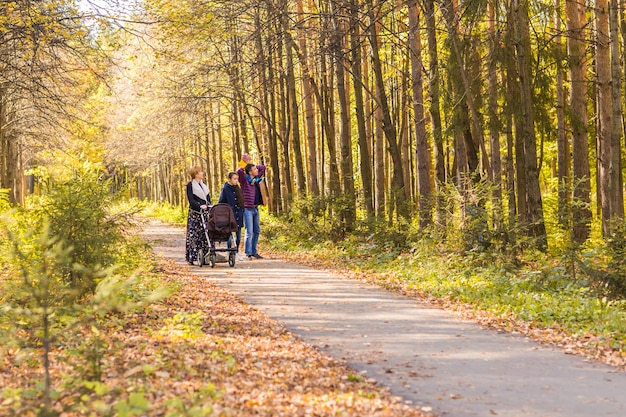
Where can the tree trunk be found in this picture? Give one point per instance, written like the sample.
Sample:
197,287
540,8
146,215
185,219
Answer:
402,111
563,147
9,155
293,110
309,111
323,96
581,217
474,128
422,152
329,121
434,110
379,162
510,174
616,180
268,81
534,206
604,110
364,150
494,123
387,126
345,148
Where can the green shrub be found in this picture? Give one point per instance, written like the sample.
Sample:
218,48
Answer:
603,267
79,212
5,204
40,311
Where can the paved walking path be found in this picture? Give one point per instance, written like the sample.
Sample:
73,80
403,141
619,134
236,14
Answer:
428,356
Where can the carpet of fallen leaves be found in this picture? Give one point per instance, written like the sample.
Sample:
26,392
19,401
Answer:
203,351
593,347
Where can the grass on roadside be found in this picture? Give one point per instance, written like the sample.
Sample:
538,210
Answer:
164,212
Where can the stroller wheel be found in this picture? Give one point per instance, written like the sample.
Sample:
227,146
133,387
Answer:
200,258
231,259
212,258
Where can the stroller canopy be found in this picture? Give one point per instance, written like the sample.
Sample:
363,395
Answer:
222,219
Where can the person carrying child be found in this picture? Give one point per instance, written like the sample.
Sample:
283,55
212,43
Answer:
250,178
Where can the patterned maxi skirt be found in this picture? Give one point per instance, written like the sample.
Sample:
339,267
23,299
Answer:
196,238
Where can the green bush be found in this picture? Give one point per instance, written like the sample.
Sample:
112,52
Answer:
80,212
4,200
603,267
41,311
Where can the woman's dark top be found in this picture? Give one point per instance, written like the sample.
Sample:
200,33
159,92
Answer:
229,196
194,201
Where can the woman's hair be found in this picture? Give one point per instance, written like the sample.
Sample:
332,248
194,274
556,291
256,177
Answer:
239,197
194,171
231,174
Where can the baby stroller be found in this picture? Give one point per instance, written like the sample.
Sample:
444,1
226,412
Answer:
220,228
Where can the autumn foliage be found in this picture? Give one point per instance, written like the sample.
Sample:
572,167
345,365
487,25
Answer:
200,352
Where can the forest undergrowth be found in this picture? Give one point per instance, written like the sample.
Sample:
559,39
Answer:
570,298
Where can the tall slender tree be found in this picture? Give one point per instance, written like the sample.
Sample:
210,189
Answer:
534,208
616,176
604,110
397,187
581,184
434,110
563,146
422,151
359,108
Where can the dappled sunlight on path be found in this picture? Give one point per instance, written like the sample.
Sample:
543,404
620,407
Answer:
427,355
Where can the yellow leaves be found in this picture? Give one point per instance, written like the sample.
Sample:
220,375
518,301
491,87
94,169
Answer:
205,349
183,326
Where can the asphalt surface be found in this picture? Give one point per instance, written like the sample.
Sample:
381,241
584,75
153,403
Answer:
438,362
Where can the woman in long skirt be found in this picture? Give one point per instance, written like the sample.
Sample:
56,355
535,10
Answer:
199,199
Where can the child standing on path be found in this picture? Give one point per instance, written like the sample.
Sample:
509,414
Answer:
231,194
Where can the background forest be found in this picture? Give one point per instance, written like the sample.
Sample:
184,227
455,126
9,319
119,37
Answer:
500,117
